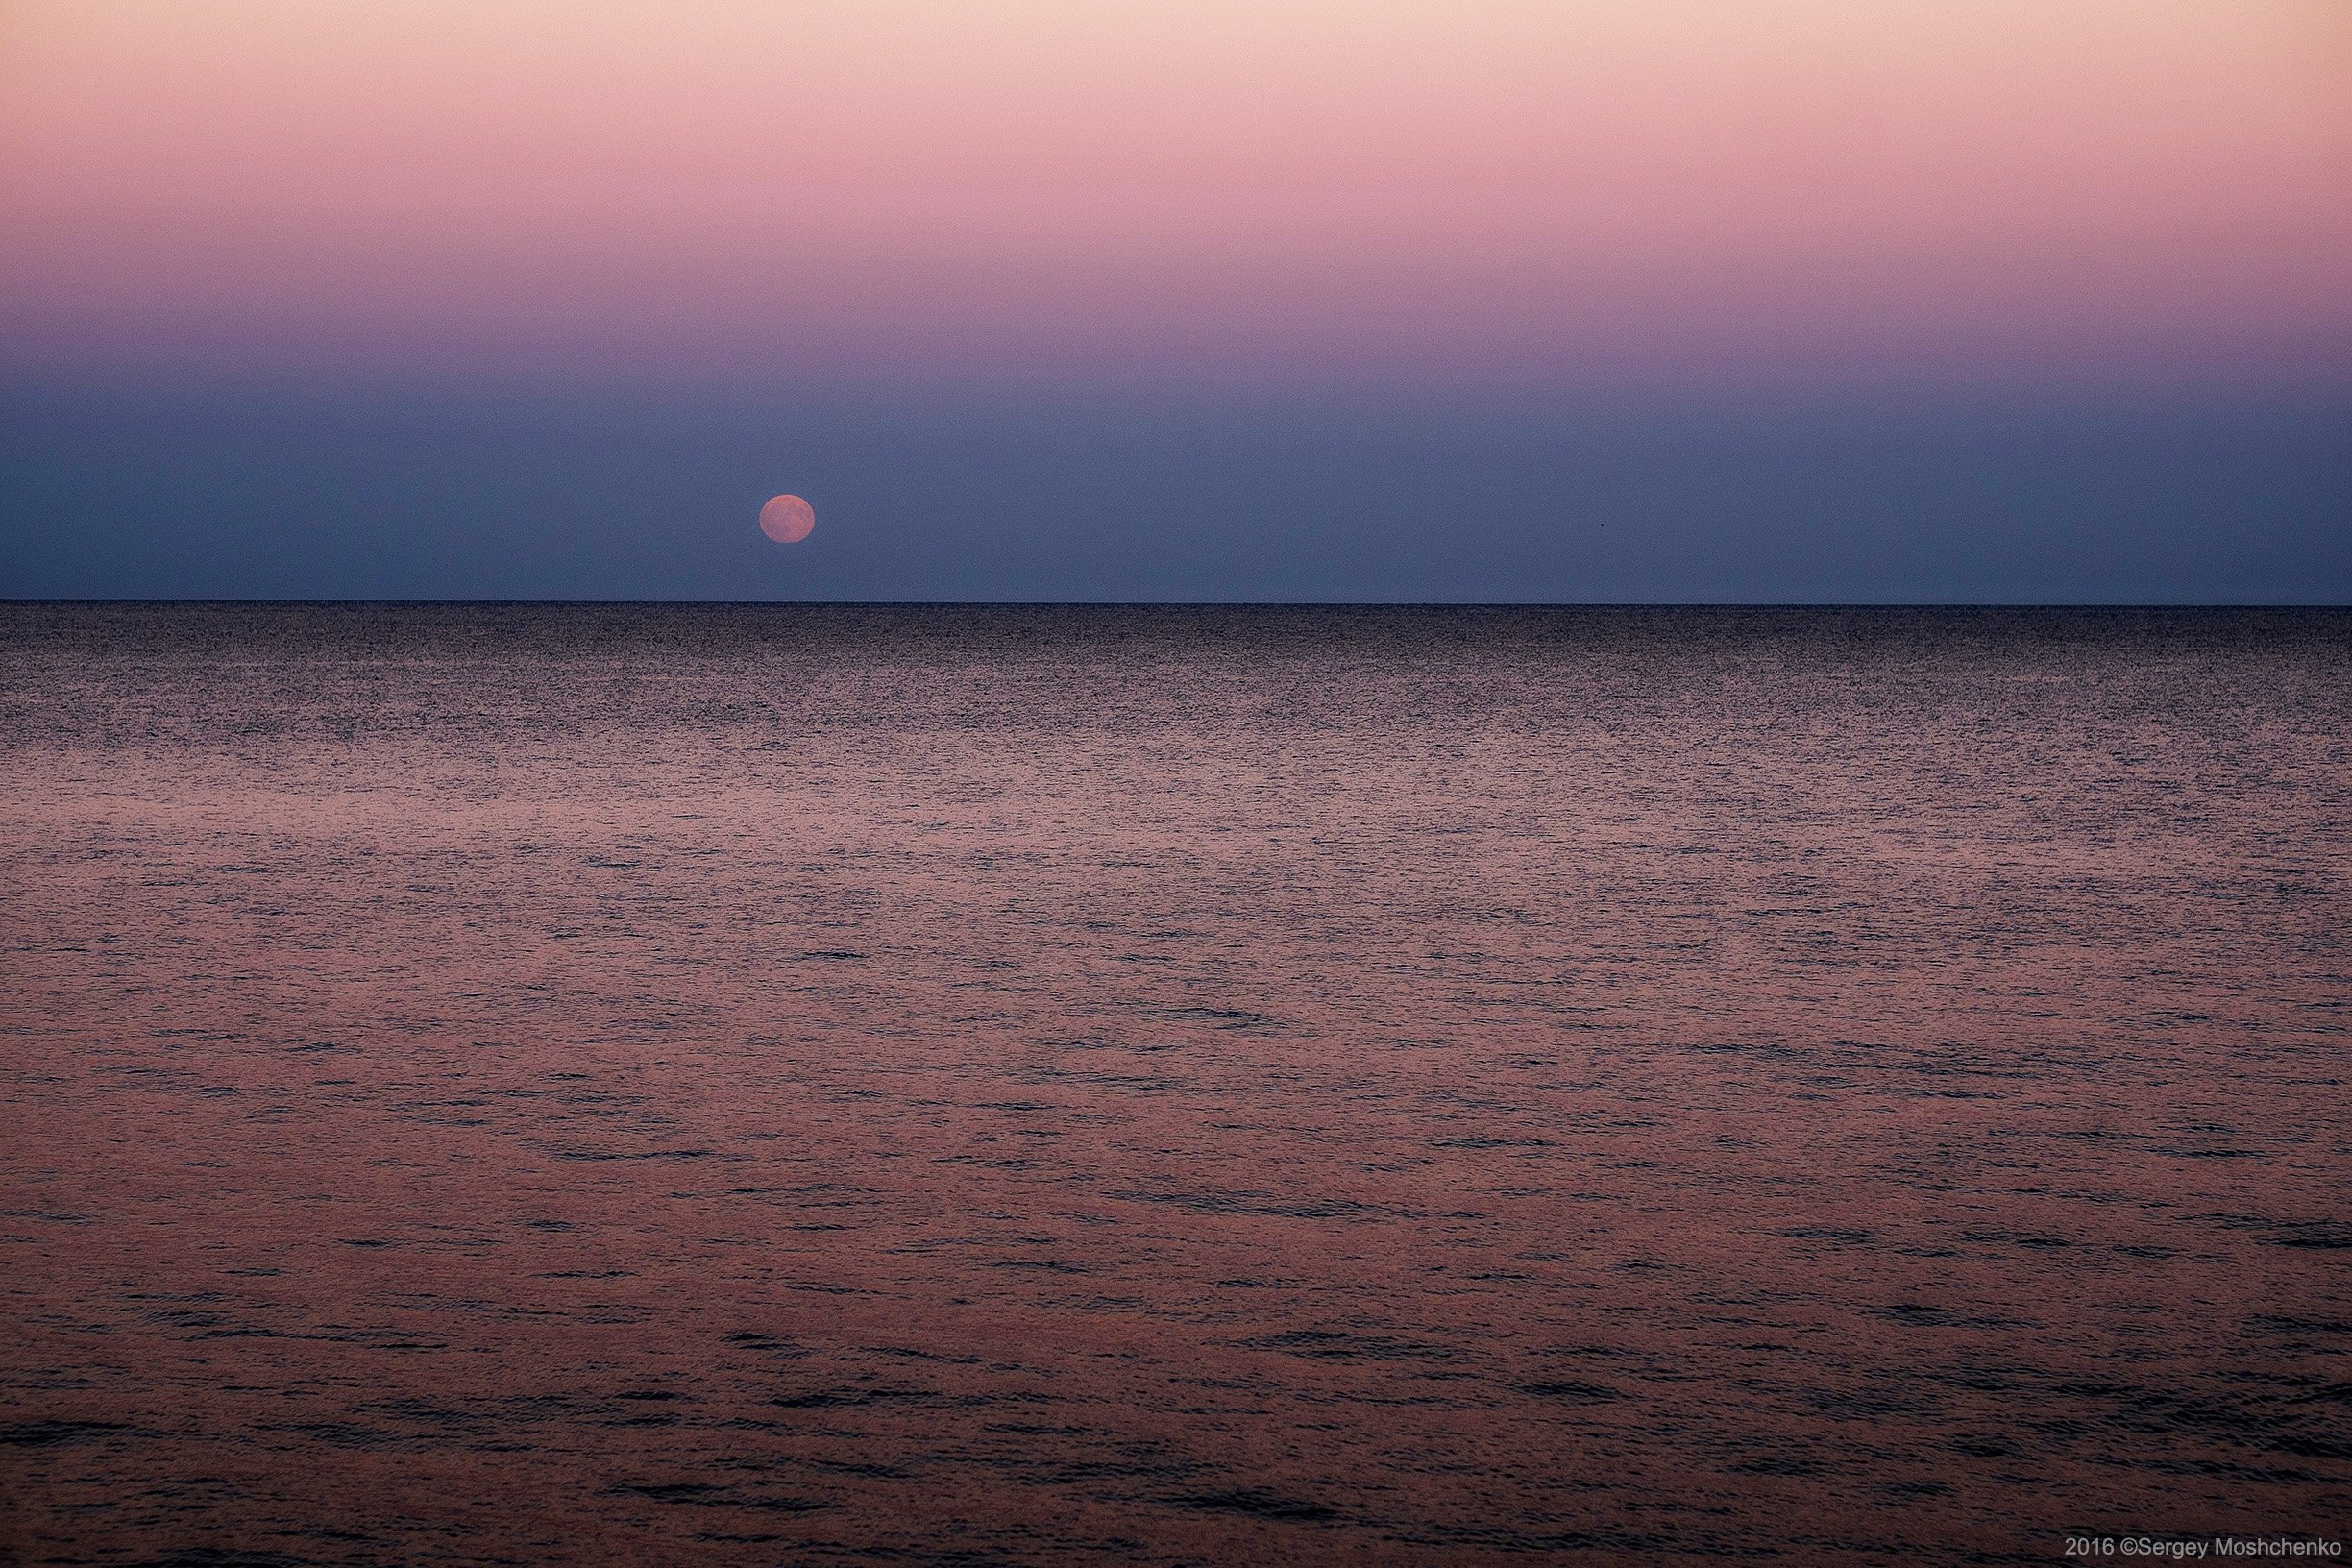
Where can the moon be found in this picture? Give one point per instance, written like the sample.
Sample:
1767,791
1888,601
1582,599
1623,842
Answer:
787,520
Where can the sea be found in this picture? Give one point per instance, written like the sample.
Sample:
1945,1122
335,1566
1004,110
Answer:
1063,1084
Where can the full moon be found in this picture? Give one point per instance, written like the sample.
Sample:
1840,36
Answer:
787,520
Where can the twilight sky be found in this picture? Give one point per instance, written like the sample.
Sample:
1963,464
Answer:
1236,299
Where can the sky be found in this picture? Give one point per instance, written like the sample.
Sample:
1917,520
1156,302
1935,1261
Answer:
1723,300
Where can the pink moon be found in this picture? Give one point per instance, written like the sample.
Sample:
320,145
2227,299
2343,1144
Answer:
787,520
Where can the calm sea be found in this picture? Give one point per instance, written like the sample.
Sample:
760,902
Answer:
1152,1086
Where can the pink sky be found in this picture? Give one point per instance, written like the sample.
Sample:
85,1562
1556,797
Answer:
2086,193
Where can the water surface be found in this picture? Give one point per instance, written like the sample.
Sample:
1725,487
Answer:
958,1085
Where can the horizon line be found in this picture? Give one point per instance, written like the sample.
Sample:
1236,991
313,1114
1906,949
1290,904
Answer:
2074,606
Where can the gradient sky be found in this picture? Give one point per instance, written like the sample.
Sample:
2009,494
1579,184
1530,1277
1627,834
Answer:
1722,299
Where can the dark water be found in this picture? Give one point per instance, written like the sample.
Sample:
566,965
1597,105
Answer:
518,1086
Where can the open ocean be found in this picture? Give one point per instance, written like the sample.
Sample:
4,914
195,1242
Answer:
977,1086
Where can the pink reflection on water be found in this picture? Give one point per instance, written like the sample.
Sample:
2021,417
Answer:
537,1084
